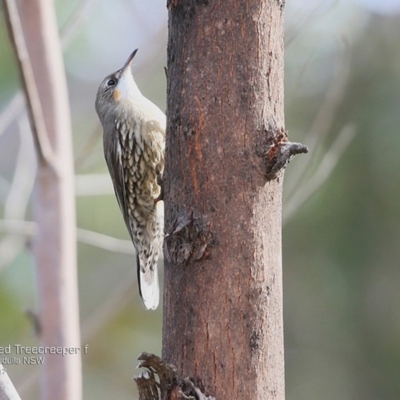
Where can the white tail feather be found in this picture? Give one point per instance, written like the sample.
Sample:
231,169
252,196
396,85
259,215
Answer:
149,288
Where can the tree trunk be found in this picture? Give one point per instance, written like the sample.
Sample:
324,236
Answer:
223,280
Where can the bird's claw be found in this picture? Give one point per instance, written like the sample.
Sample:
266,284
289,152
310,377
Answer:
160,183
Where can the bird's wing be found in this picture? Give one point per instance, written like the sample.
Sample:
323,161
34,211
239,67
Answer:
113,155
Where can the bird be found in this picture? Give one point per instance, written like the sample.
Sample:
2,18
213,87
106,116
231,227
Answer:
134,149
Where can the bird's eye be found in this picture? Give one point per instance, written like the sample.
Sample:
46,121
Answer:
111,82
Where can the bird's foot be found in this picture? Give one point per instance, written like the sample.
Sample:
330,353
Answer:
160,183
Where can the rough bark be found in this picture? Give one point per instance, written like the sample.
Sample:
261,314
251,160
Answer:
226,146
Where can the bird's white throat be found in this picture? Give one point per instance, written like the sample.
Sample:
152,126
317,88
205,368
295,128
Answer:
127,87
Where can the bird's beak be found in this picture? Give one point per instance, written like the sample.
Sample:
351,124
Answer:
129,61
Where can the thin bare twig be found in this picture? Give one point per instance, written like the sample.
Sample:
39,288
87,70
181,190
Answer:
113,303
325,168
305,20
76,21
88,147
105,242
323,120
334,95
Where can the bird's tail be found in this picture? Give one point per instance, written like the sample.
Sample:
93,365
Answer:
148,285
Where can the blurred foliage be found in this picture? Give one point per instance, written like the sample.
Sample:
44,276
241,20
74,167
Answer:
341,271
341,297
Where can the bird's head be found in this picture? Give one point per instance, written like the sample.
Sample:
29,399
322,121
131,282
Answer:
117,87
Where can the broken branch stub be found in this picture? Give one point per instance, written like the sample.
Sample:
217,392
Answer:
160,381
276,151
280,155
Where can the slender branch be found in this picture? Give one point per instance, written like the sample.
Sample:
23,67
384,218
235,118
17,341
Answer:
33,30
38,127
23,228
105,242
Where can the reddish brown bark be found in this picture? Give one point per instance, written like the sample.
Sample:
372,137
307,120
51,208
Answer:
223,280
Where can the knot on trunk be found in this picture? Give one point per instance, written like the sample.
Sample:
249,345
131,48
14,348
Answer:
168,386
189,239
277,151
